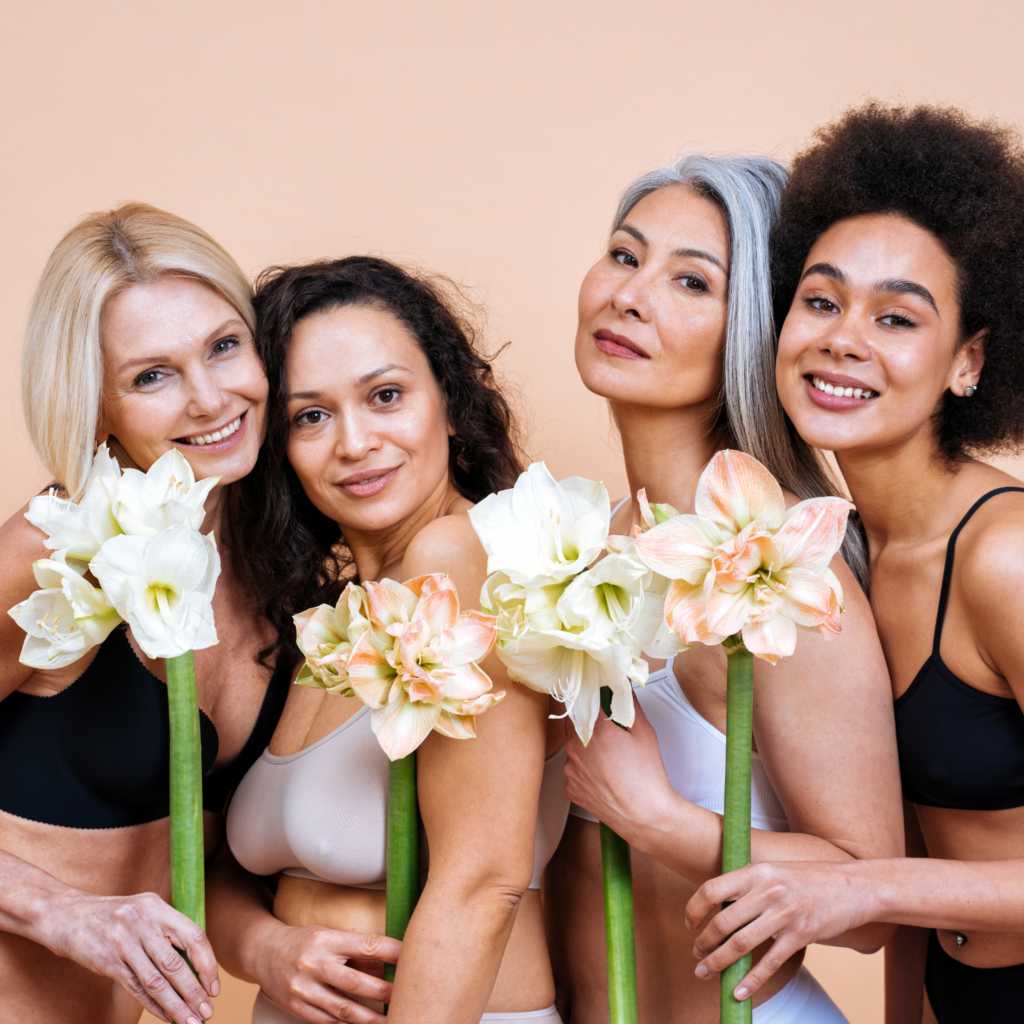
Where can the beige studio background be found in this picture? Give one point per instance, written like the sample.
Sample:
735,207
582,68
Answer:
489,141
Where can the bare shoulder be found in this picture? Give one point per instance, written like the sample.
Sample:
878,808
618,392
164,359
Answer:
449,545
990,557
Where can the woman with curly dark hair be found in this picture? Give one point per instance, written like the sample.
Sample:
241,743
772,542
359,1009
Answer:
385,426
899,267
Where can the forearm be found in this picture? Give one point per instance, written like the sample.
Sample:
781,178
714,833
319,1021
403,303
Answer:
28,899
239,916
452,952
945,894
687,839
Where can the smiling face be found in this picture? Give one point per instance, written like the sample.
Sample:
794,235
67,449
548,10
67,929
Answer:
652,310
181,371
872,340
369,428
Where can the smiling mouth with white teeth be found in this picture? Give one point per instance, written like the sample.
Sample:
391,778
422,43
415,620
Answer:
218,435
841,392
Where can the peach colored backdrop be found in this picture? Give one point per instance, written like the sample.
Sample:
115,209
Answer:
489,141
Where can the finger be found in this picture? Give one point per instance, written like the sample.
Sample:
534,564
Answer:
715,891
173,966
776,956
723,924
151,981
744,940
373,947
346,979
321,1004
131,984
188,936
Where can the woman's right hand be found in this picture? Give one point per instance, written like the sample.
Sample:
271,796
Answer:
132,940
313,973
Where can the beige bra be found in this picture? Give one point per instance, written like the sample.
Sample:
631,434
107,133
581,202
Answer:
322,813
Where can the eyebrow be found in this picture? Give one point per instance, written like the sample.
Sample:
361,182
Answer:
365,379
698,254
156,360
892,284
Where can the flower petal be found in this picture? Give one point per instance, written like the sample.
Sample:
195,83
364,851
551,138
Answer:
813,532
807,599
771,638
402,725
686,614
389,602
474,634
681,548
735,489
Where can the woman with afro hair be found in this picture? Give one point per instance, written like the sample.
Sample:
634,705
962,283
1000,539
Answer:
899,271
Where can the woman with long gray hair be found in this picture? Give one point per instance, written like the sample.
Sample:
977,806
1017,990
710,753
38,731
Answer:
675,330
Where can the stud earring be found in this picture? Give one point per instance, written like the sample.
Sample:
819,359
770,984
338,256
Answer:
969,390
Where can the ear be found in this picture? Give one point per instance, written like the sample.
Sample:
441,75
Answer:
967,363
451,430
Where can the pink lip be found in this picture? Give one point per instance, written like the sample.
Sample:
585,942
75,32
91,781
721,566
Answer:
217,446
368,482
835,402
616,345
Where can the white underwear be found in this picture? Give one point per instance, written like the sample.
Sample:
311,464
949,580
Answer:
265,1012
802,1001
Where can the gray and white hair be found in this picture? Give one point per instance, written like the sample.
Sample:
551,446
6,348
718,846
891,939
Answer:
748,190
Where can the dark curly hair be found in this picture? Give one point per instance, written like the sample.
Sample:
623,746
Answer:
297,555
962,180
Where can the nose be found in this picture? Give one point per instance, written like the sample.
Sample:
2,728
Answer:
356,436
632,299
206,400
845,341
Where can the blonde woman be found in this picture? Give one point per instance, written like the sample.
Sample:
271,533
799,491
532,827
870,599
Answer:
140,335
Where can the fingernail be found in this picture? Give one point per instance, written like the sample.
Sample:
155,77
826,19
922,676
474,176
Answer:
206,1010
702,971
192,1020
215,988
740,994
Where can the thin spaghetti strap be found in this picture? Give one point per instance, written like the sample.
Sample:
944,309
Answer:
618,506
947,572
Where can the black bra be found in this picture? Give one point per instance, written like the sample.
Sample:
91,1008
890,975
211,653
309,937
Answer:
96,754
959,747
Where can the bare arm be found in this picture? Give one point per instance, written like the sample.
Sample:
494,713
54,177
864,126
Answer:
308,972
824,728
478,799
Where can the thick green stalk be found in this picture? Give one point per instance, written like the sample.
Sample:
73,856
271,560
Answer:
188,892
619,938
619,932
736,825
403,885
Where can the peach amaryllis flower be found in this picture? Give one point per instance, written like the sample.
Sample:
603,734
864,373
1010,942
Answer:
416,663
326,636
744,566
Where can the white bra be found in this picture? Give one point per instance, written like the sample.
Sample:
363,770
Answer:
694,754
321,813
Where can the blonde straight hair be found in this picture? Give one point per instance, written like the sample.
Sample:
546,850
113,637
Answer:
62,355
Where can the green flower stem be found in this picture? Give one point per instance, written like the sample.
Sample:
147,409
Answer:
736,825
619,932
188,868
619,938
403,885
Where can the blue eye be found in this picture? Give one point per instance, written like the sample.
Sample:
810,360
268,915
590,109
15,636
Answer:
147,378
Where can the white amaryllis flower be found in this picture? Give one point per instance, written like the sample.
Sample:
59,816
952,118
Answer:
64,619
570,639
77,529
326,636
540,531
162,585
166,495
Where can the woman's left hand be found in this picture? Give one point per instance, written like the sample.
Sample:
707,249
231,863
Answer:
619,777
794,903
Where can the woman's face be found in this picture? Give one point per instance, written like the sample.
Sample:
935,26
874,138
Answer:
369,427
181,371
652,310
871,342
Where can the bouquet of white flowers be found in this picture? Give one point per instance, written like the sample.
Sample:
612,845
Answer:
137,535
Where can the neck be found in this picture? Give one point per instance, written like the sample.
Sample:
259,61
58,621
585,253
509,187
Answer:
666,450
378,554
906,494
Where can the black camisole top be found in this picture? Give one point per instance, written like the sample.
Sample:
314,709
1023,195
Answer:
959,747
96,755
